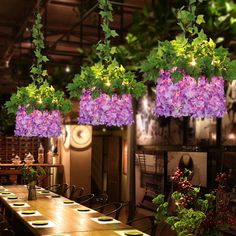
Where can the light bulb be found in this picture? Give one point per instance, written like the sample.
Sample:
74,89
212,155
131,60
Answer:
193,62
67,69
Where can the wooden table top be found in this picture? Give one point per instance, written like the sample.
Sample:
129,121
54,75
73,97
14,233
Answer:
64,217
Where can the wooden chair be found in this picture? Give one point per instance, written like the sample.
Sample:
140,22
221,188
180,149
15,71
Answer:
56,188
100,200
112,208
145,224
85,199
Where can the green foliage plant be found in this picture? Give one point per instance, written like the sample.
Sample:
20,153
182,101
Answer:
30,173
107,75
38,94
191,51
190,213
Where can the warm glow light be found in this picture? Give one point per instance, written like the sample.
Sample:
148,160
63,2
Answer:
67,69
145,103
193,62
231,136
7,63
108,83
40,101
104,130
213,136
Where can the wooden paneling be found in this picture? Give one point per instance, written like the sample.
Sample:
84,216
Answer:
97,164
114,168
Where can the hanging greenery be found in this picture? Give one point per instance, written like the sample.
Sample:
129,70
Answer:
105,88
192,51
39,94
38,106
107,75
191,70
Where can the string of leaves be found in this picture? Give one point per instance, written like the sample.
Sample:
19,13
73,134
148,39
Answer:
107,75
39,94
191,52
37,71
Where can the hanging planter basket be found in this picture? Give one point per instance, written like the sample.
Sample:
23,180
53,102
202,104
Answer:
38,123
114,110
202,98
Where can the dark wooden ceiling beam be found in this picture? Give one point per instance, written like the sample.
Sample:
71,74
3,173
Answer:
85,16
9,49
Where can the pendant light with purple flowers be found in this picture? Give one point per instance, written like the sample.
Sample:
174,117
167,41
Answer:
105,89
190,71
38,106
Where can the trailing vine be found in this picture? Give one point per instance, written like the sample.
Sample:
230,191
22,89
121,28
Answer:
192,52
39,94
107,75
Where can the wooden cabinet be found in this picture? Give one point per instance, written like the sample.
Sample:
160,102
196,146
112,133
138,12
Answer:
11,146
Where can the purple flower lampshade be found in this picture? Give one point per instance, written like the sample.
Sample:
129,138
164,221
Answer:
189,98
38,123
107,110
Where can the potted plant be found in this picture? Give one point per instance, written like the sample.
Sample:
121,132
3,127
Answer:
31,175
190,213
192,71
38,106
105,89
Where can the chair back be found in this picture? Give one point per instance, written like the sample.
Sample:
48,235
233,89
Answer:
113,208
56,188
72,190
80,191
100,200
85,199
64,188
146,224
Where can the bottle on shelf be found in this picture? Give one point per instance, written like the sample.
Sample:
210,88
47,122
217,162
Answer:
41,154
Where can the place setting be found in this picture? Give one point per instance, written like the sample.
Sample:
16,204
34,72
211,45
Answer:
41,223
44,191
84,210
26,213
132,232
19,204
69,202
11,198
105,220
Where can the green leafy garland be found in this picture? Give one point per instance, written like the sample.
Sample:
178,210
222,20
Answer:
39,94
107,75
191,51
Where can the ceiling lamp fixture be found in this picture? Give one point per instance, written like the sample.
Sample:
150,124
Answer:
38,106
191,71
105,89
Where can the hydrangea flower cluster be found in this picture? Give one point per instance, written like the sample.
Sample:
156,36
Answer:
187,97
107,110
38,123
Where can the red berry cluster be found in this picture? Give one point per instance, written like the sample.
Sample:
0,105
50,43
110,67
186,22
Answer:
184,186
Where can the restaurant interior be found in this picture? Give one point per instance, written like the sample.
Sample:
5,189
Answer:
117,117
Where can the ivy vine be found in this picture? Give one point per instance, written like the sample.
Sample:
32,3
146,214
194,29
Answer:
107,75
192,51
39,94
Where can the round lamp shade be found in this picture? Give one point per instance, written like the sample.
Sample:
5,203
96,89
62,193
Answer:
81,136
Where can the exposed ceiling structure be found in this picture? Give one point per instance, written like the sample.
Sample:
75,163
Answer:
69,25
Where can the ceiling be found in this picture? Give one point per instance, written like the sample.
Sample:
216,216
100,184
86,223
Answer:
69,25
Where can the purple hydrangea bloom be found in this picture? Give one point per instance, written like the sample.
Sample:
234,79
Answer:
38,123
107,110
189,97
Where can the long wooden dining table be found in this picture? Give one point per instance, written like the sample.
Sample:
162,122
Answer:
62,218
